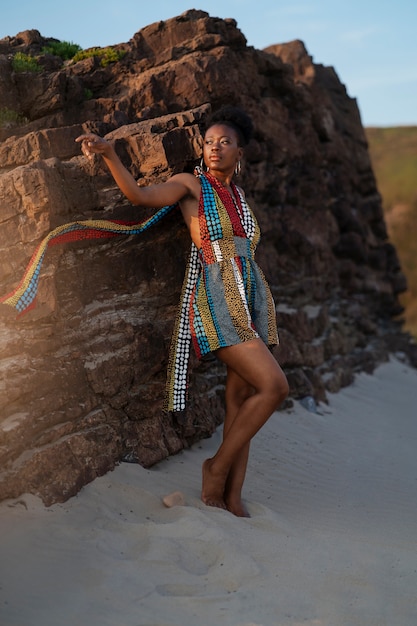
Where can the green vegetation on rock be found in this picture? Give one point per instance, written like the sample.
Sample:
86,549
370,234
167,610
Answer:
22,62
66,50
107,55
10,118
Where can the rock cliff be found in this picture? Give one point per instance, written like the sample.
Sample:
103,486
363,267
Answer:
83,373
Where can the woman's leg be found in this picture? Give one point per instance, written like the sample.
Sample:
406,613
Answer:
237,391
253,362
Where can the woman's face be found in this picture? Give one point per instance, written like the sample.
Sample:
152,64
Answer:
221,149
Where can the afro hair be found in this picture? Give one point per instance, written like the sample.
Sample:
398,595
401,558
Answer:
236,119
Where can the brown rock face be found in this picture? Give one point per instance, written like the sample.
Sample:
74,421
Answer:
83,374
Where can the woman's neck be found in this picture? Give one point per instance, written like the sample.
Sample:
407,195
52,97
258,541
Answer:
225,182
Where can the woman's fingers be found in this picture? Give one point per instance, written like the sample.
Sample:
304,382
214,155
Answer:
91,144
87,137
85,149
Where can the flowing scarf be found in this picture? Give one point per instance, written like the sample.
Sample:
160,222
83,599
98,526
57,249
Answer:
22,298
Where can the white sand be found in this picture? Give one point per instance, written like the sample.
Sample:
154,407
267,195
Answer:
332,540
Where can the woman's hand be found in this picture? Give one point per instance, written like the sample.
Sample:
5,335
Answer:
93,144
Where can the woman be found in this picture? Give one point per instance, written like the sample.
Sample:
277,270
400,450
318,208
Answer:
229,307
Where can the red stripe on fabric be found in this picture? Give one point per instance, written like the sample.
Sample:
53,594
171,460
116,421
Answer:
205,239
81,235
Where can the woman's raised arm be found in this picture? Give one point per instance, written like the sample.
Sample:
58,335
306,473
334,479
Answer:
155,196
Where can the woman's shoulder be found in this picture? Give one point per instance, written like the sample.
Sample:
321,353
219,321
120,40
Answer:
188,180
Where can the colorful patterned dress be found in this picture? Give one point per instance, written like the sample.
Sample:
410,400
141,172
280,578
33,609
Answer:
225,298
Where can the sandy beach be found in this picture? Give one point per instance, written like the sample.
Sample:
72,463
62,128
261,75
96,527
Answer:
331,540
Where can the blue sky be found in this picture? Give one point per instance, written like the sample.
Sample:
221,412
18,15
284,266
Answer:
372,44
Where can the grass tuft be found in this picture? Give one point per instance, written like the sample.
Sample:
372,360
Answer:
107,55
22,62
66,50
10,118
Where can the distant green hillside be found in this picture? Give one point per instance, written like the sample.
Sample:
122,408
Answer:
394,158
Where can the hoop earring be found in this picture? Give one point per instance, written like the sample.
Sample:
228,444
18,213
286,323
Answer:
238,168
202,166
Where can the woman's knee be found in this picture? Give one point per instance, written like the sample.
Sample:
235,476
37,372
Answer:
284,388
278,387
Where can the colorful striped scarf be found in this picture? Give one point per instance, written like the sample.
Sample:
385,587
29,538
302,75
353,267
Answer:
22,298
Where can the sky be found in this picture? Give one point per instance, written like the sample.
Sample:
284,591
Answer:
372,44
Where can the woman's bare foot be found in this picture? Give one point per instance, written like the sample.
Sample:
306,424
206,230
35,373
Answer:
213,487
237,508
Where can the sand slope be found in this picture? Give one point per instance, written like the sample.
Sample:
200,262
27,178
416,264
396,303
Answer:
332,540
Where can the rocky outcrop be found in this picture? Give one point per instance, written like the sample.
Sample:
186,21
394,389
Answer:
83,373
